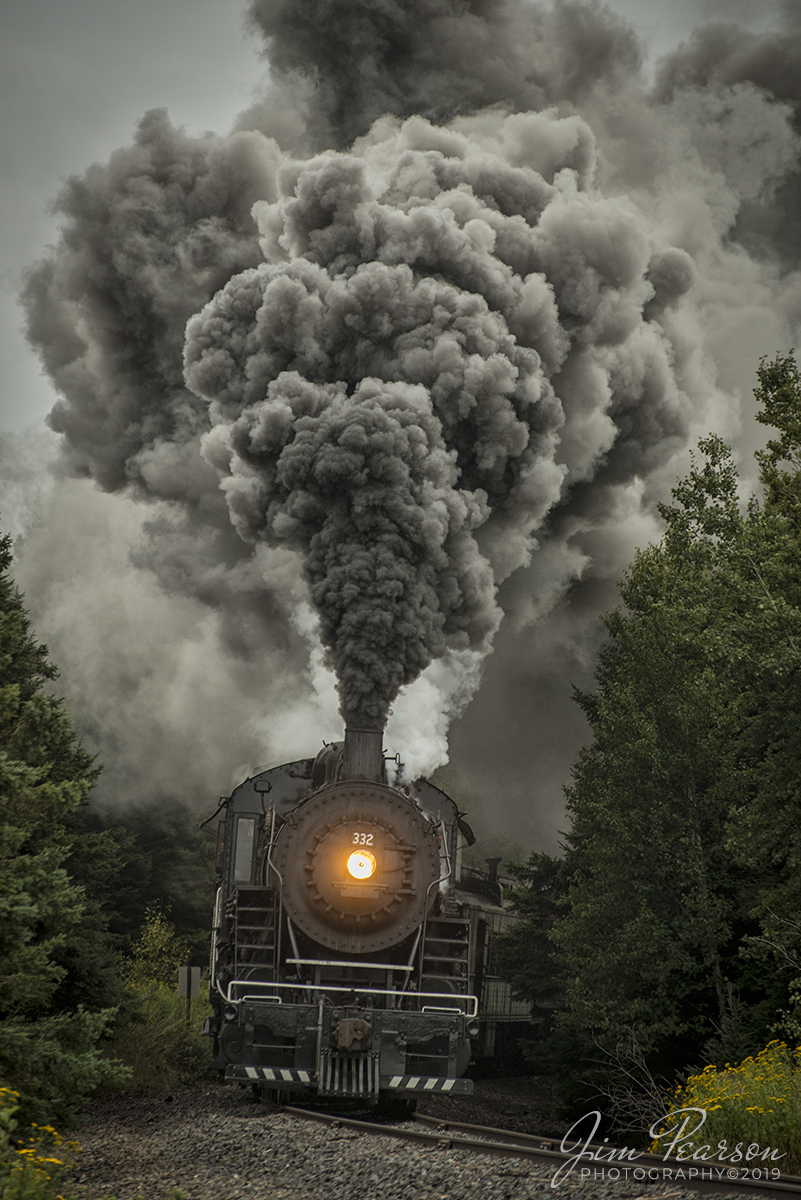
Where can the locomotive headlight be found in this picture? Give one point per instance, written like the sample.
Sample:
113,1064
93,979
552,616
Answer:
361,864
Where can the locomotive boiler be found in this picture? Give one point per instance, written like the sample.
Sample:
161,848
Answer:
341,956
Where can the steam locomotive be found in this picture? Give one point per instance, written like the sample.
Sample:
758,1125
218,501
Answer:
345,961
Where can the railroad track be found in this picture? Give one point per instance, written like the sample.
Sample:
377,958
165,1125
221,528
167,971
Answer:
456,1135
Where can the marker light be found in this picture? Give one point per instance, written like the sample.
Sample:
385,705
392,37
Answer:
361,864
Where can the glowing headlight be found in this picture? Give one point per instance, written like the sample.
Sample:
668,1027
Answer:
361,864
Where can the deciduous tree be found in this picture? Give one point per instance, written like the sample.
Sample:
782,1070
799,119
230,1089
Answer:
684,853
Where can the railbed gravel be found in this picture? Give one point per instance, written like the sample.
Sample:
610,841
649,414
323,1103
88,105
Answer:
218,1143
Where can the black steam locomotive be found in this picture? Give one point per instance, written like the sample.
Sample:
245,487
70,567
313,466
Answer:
344,960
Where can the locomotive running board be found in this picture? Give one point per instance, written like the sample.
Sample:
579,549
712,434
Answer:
423,1083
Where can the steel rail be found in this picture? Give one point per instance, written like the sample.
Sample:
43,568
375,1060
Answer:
455,1135
538,1144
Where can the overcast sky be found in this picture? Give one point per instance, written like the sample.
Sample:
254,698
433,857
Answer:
77,75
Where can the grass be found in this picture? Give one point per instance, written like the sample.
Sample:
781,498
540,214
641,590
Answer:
154,1041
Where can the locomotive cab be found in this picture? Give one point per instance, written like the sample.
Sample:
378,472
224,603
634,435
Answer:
339,957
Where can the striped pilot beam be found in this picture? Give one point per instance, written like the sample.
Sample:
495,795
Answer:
400,1083
423,1083
273,1074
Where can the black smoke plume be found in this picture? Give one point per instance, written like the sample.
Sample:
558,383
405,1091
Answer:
342,64
413,349
724,61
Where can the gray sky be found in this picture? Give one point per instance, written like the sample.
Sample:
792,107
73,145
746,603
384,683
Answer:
77,74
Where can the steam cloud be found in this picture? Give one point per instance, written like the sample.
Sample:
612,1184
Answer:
418,345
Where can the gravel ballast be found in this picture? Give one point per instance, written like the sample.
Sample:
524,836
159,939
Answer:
216,1143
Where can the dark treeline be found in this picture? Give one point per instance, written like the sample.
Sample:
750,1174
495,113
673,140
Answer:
669,934
57,968
75,887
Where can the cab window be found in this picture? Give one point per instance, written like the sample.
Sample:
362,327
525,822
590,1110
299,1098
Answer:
243,849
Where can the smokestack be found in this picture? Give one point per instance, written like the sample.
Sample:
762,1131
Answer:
363,754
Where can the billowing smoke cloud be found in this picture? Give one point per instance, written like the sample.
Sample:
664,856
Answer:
381,392
416,347
147,240
337,66
718,66
364,486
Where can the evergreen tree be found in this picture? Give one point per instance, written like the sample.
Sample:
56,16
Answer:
53,952
652,905
525,953
684,854
765,824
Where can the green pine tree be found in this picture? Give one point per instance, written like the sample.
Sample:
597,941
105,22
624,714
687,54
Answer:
52,944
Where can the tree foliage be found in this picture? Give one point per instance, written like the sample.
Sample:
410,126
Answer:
56,970
682,874
653,902
526,954
157,953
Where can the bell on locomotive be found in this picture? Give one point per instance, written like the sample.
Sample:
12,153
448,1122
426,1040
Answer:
342,959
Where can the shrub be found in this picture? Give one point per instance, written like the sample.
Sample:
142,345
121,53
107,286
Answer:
32,1164
157,953
757,1102
159,1048
153,1040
